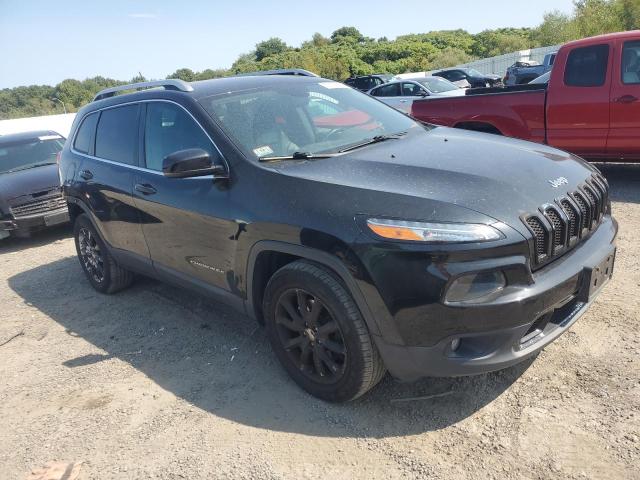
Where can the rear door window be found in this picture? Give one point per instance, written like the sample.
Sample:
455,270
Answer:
84,138
631,63
117,134
411,90
389,90
587,66
169,129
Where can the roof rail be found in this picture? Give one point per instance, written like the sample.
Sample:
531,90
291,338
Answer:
279,71
167,84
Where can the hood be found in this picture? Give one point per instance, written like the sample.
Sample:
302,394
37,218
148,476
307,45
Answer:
25,182
496,176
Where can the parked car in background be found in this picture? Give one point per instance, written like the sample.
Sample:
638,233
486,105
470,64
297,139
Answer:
400,94
469,78
590,106
30,194
364,243
523,72
364,83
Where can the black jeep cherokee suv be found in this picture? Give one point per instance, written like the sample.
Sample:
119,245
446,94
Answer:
364,240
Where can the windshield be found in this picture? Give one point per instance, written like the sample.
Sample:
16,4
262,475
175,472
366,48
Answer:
474,73
29,153
437,84
281,119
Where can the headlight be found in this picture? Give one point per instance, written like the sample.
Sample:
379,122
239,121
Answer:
433,232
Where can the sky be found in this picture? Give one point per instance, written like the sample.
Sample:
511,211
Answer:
44,42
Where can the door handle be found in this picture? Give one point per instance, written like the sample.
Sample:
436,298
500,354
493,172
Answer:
626,99
145,188
403,101
86,174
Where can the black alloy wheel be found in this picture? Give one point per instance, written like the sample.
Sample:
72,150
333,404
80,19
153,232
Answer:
311,336
90,254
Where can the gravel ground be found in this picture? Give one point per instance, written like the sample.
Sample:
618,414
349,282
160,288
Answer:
156,382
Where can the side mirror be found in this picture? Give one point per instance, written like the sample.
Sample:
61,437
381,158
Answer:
423,93
192,162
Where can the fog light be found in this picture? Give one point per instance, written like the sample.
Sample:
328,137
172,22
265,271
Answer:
455,343
475,286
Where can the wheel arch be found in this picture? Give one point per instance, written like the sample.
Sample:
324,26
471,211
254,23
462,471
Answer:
479,126
268,256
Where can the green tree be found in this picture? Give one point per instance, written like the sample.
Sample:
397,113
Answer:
556,28
317,40
490,43
594,17
629,13
185,74
349,34
273,46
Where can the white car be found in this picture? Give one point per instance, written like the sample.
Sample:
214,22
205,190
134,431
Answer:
400,94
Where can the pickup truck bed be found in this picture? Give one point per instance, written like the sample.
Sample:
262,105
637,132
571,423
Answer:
519,107
590,107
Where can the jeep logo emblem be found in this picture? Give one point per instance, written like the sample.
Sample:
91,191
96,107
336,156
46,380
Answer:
558,182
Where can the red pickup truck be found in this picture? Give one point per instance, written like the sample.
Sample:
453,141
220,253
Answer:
590,107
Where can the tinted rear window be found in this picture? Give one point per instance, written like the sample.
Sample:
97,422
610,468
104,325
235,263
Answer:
117,135
85,133
587,66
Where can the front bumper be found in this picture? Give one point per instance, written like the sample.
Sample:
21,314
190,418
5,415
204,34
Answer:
35,222
510,328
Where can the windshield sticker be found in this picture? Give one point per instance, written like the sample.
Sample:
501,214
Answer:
332,85
263,151
49,137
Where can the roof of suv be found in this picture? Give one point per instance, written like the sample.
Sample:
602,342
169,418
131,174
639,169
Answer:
205,88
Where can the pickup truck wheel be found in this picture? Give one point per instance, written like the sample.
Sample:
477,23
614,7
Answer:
104,274
318,333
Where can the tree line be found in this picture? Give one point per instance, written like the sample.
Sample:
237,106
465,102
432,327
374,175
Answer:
348,52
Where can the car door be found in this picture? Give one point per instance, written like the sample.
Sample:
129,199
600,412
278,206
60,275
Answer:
184,220
389,93
410,91
106,146
625,102
578,102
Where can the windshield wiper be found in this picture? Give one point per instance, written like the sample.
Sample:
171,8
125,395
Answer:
376,139
298,156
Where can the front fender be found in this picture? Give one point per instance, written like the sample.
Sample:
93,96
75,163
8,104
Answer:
332,262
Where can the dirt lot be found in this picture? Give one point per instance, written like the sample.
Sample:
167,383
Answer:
158,383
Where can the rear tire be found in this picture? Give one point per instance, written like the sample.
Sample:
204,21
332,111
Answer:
318,333
104,274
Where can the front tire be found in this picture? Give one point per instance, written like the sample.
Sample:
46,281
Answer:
318,333
104,274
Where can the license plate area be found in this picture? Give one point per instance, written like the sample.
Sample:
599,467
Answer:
598,276
56,218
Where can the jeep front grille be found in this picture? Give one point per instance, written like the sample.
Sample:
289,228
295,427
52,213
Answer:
560,226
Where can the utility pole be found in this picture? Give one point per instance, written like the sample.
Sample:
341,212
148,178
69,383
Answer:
56,99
